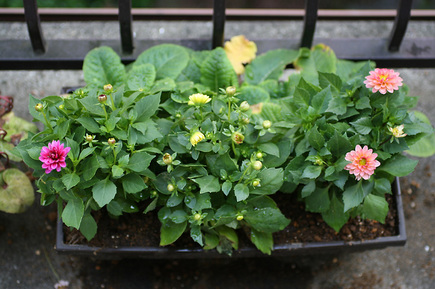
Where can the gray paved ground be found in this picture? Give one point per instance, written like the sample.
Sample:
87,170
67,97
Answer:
27,258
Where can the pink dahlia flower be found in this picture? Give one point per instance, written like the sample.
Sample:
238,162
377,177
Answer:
383,80
363,162
53,156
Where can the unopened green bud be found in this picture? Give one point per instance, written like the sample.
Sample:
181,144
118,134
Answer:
167,159
102,98
171,187
197,217
237,137
108,88
256,183
239,217
89,138
153,194
231,90
111,141
267,124
244,106
245,120
61,106
259,155
39,107
257,165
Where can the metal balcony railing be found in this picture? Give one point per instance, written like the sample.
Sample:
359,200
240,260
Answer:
39,53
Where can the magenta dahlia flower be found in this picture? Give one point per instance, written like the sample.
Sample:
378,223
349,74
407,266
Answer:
383,80
53,156
363,162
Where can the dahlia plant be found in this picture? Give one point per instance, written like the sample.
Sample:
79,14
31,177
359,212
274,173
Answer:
181,133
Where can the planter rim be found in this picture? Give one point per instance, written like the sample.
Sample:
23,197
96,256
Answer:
289,249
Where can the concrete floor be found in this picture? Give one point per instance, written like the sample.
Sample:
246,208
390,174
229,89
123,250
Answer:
27,258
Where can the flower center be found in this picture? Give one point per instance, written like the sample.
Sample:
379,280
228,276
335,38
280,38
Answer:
362,162
54,155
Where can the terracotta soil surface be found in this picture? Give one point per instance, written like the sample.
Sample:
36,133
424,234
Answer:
144,230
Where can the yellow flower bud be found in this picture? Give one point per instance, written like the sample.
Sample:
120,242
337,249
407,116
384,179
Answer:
170,187
231,90
257,165
167,159
244,106
39,107
102,98
239,217
111,141
196,138
108,88
267,124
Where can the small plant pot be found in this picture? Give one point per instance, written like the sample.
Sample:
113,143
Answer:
280,250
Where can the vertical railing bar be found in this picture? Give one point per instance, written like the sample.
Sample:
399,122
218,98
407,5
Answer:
218,23
34,26
400,24
125,26
310,18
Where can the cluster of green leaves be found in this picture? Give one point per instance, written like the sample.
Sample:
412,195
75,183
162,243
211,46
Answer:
333,112
134,151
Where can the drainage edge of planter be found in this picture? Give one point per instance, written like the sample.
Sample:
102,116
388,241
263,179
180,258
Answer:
279,250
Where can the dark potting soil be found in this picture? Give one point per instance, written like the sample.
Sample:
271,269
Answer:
144,230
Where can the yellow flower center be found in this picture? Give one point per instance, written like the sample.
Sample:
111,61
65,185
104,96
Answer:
362,162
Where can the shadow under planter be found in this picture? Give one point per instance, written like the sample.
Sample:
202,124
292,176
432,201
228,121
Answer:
279,249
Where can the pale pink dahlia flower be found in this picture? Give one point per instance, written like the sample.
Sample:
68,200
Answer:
363,162
53,156
383,80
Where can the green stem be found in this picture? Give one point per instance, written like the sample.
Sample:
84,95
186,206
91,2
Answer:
104,108
244,173
47,122
113,102
229,110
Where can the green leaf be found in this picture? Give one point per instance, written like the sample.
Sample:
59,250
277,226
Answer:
88,227
315,138
337,106
263,241
271,181
398,165
354,195
312,172
73,213
89,124
382,186
241,191
75,148
196,234
133,183
174,200
147,107
86,152
117,171
363,125
141,77
208,184
253,94
168,59
338,145
330,79
226,187
90,166
139,162
270,148
375,208
424,147
103,192
114,208
318,201
217,71
70,180
321,100
103,66
170,232
335,217
269,65
265,217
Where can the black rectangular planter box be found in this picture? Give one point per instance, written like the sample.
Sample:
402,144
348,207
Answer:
289,249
